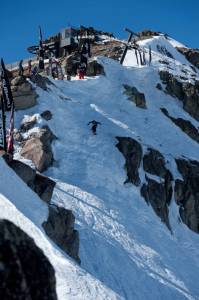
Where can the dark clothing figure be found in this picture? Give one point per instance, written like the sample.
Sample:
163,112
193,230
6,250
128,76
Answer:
41,64
94,126
21,69
150,55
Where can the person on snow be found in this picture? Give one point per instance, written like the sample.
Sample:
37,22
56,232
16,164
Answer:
94,126
21,69
81,70
54,67
41,64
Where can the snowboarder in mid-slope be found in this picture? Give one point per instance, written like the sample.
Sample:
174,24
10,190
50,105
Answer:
94,126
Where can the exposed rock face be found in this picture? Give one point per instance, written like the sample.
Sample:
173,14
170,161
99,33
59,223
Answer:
94,68
112,49
184,91
132,152
147,33
25,272
38,148
23,93
135,96
158,194
60,228
163,50
154,163
41,185
46,115
192,55
187,193
186,126
40,81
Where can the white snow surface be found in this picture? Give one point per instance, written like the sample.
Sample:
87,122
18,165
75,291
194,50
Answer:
126,252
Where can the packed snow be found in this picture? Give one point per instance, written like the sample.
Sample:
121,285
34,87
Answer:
126,252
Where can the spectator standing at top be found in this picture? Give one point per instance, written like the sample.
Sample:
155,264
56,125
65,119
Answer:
21,69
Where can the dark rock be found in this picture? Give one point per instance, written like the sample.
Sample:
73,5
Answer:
47,115
40,184
38,148
135,96
192,55
94,68
184,91
187,193
40,81
186,126
159,196
154,163
147,33
60,228
112,49
44,187
25,272
163,50
159,87
132,152
173,86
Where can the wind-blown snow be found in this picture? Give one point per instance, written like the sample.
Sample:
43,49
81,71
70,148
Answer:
123,244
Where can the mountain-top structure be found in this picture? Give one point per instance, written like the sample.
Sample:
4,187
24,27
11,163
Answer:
114,210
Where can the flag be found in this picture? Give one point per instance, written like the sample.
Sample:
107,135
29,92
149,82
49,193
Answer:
2,127
10,143
6,90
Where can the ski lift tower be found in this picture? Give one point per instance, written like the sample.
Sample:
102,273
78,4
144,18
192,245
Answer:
131,34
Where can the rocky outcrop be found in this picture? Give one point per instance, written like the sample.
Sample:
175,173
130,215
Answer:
147,33
135,96
60,228
41,81
40,184
94,68
112,49
38,148
186,126
192,55
154,163
158,194
46,115
187,193
25,272
184,91
132,152
23,93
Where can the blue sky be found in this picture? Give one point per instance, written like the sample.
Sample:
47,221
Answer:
19,20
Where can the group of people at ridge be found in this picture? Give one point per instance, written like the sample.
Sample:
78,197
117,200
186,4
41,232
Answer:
57,67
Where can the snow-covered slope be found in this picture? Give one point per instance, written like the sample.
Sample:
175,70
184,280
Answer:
123,245
25,209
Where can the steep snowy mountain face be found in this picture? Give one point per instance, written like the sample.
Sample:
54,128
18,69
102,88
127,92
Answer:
133,187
